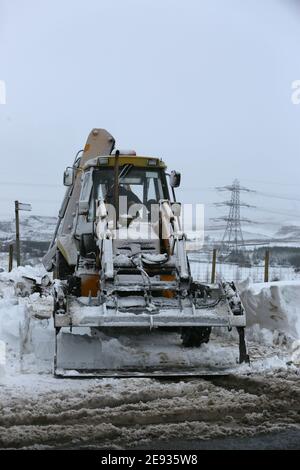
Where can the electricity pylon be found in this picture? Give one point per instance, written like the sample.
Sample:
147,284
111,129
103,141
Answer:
233,240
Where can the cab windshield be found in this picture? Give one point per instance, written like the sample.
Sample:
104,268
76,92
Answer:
144,186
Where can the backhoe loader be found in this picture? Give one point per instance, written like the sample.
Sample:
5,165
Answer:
122,275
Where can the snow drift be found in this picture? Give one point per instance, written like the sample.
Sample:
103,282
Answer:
274,306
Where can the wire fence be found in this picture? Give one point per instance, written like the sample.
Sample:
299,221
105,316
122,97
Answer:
202,269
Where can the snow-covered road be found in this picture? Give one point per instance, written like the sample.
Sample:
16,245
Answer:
39,411
42,412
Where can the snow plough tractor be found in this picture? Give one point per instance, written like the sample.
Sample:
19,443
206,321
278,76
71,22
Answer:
122,275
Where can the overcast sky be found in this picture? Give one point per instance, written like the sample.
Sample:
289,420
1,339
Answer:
205,84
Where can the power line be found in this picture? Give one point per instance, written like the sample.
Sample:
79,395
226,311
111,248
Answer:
277,196
18,183
46,201
273,211
271,182
252,192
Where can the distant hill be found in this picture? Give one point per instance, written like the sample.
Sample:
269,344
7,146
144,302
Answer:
289,231
32,228
35,233
260,234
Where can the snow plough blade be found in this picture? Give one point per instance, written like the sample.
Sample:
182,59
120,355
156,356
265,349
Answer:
100,340
157,355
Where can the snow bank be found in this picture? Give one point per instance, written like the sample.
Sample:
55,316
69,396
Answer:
28,271
26,341
274,306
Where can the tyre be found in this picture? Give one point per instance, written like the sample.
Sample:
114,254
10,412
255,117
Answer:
194,337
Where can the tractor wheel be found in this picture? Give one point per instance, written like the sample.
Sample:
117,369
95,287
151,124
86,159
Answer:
194,337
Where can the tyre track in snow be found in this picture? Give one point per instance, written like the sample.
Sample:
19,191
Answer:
272,386
129,412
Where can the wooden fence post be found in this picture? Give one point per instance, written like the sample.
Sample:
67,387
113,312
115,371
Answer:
17,221
213,268
10,257
267,262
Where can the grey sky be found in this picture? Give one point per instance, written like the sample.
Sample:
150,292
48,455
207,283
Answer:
206,84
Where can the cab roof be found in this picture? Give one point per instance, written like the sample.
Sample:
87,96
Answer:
138,161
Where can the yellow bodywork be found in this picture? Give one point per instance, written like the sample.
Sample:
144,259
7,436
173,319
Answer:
135,160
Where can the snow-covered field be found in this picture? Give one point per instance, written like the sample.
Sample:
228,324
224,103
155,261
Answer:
39,411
